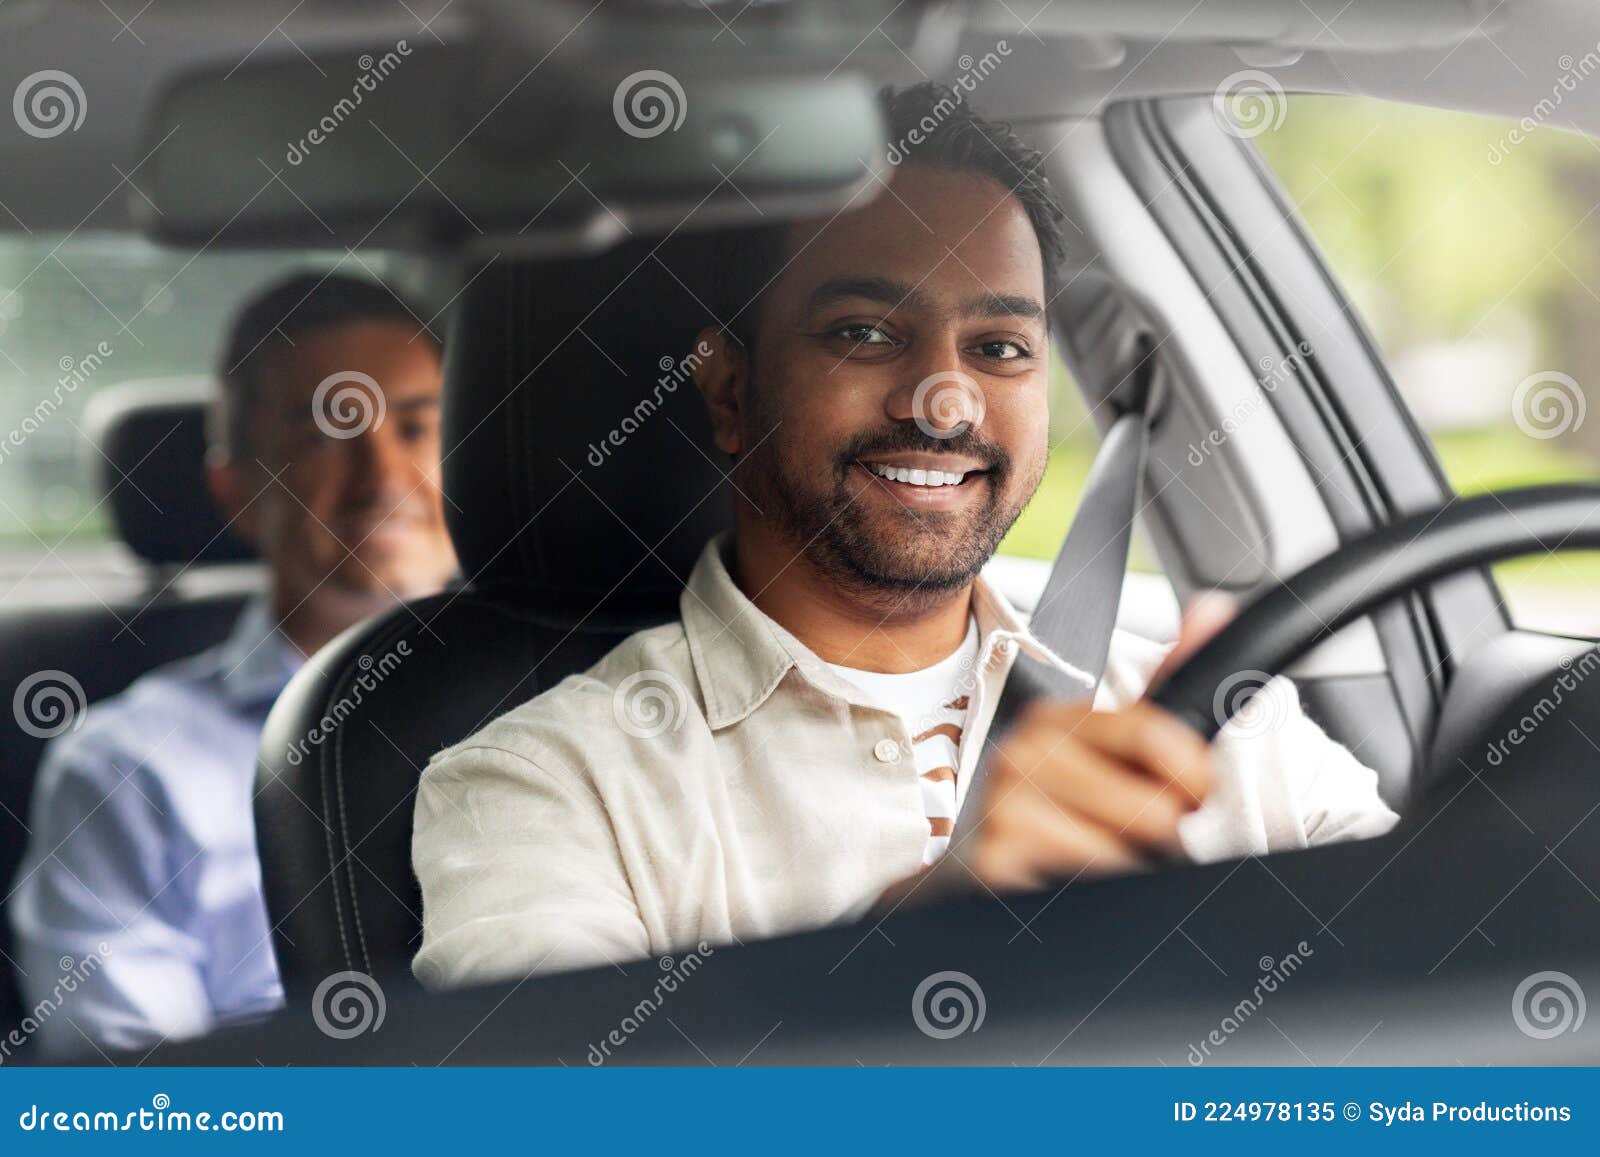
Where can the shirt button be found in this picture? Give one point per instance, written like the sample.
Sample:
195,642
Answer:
887,751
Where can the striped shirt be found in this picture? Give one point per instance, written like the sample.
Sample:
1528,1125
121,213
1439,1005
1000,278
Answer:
932,703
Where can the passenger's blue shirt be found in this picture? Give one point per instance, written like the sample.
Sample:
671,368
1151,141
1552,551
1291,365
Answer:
138,908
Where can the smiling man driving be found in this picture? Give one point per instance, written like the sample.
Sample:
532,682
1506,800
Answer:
829,687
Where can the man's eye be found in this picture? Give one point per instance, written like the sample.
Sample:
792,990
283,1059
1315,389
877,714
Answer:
1003,351
861,334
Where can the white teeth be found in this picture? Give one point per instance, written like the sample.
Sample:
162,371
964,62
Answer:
916,477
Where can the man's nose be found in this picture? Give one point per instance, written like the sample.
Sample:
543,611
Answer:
936,393
382,462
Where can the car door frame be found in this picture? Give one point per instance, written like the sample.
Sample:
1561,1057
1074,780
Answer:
1235,234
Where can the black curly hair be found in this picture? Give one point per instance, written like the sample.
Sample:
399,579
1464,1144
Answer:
928,124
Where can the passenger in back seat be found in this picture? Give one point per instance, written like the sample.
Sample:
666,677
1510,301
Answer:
141,866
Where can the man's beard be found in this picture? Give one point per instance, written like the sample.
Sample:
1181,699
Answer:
902,559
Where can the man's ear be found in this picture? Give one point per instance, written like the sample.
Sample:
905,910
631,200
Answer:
230,490
721,374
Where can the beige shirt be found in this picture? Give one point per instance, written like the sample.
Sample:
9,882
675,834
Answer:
712,780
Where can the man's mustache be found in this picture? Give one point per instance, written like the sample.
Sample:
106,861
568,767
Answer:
909,437
402,508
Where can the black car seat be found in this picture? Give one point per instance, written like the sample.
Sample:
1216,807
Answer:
580,484
174,599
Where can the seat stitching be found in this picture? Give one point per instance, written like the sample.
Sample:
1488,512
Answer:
338,908
384,638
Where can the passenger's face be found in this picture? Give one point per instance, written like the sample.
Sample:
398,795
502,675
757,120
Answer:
909,335
356,518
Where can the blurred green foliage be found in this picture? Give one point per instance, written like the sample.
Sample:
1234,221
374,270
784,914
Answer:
1429,235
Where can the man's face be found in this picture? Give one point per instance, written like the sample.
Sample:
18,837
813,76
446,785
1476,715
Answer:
907,336
355,513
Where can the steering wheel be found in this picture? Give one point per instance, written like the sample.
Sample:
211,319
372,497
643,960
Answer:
1289,619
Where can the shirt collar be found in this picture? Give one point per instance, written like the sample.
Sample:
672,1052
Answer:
740,654
256,660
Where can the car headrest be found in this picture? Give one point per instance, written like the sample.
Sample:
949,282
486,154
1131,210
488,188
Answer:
152,440
579,470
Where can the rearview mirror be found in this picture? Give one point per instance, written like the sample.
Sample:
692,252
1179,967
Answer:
503,139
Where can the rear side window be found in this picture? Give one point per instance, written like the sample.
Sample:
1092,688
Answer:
84,311
1471,247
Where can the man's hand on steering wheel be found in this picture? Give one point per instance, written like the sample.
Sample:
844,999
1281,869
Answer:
1074,791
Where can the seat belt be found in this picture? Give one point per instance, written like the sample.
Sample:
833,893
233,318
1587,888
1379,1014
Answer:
1077,610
